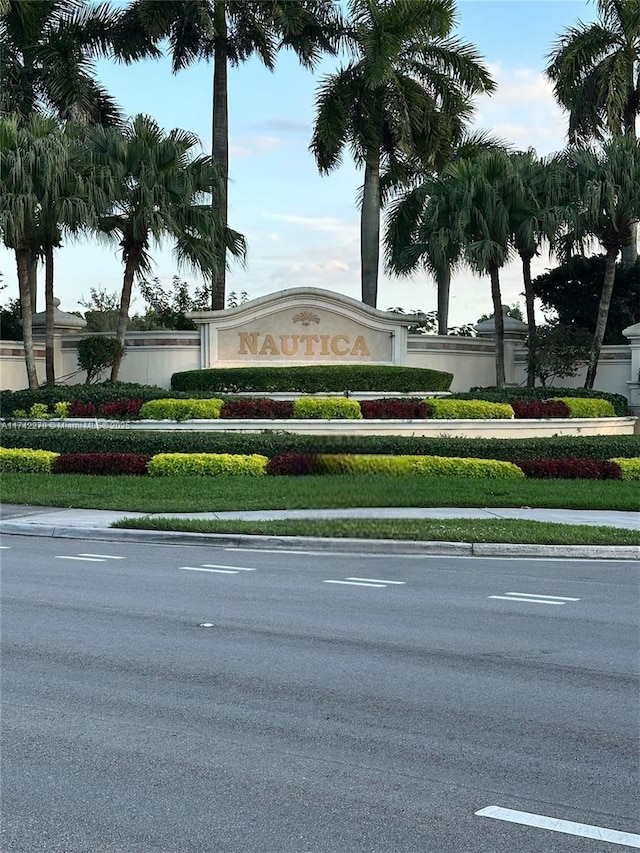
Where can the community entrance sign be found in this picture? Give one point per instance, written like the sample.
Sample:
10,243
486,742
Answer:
301,326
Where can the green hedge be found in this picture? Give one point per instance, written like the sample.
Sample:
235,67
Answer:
580,407
426,466
181,410
26,461
630,468
327,407
107,392
326,378
509,395
472,409
272,443
206,464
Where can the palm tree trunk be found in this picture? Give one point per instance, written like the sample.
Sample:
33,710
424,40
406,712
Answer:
603,314
496,297
630,251
48,303
220,151
33,281
443,278
131,267
531,321
370,231
22,263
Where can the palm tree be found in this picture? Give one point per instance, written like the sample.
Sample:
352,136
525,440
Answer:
230,32
34,167
157,189
594,68
421,212
48,50
603,184
404,97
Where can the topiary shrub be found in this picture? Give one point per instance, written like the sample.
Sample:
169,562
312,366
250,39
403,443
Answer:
385,409
327,407
120,409
570,469
101,463
260,408
540,409
181,410
582,408
424,466
311,379
22,460
468,409
290,465
629,469
97,354
80,409
206,464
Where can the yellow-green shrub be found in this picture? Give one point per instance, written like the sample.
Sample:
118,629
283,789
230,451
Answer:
206,464
181,410
24,461
424,466
467,409
630,468
330,407
588,407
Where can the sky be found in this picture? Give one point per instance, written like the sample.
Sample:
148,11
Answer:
302,229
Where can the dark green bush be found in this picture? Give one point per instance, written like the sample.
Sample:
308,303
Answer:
106,392
272,443
325,378
508,395
97,354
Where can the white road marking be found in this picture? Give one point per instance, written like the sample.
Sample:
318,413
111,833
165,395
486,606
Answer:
206,625
533,598
83,559
5,547
357,583
377,580
235,568
535,595
528,600
103,556
213,571
584,830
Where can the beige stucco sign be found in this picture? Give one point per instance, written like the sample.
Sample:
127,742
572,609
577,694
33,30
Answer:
301,326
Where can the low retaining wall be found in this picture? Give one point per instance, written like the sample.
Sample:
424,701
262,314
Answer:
428,427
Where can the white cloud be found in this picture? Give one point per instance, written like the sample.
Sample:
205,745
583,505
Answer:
244,147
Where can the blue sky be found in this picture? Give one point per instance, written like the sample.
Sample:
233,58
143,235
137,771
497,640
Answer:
303,229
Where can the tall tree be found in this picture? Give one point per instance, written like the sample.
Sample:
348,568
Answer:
404,96
34,170
595,69
157,189
417,215
603,184
229,32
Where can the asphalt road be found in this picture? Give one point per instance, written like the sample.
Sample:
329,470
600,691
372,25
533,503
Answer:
267,705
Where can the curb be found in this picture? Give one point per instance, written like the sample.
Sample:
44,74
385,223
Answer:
347,546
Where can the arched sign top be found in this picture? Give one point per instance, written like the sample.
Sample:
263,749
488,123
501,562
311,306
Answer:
301,325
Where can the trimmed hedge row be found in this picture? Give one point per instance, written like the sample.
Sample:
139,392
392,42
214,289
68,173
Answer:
571,469
101,463
273,443
629,468
509,395
312,379
180,409
424,466
206,464
22,460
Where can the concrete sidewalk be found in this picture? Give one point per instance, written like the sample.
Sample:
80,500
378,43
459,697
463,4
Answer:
95,524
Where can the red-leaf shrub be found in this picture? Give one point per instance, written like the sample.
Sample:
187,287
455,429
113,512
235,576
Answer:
258,408
79,409
540,409
101,463
570,469
383,409
290,465
120,409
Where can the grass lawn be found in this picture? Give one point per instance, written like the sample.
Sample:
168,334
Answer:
441,530
210,494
